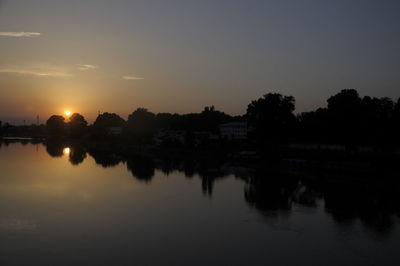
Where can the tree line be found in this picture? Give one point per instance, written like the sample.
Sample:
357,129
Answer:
140,126
348,119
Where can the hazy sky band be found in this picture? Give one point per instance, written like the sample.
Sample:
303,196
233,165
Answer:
178,56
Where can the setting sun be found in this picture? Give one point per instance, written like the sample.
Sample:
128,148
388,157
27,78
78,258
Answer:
67,112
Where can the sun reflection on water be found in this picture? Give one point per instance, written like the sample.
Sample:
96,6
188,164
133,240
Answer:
66,151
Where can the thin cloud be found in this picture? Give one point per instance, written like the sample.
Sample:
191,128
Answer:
35,73
132,78
87,67
19,34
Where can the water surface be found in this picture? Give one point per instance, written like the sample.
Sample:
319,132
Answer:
62,205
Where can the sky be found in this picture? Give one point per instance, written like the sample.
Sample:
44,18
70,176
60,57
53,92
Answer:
179,56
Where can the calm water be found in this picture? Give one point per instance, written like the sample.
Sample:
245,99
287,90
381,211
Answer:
61,206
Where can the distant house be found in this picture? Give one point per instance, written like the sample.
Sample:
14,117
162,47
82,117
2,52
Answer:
167,135
234,131
114,131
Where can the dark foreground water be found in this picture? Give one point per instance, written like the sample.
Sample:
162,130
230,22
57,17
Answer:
62,206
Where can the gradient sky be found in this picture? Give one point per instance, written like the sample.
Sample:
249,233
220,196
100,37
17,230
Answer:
179,56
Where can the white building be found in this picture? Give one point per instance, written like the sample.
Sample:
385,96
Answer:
234,130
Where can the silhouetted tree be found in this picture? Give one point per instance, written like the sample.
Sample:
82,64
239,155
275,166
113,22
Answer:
167,120
210,119
105,121
272,117
345,117
77,125
397,108
351,120
314,125
142,124
108,120
376,117
55,125
396,122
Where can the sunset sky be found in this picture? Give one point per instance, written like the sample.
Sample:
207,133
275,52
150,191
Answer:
179,56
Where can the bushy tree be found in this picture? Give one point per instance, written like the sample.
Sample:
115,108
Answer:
345,116
396,121
376,117
313,126
397,108
77,125
106,120
272,117
56,125
210,119
142,124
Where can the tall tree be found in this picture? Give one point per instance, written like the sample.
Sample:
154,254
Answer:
272,117
106,121
55,125
313,126
396,122
77,125
345,116
109,120
376,117
142,124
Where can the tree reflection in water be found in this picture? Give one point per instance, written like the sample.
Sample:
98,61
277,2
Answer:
77,154
374,200
55,149
105,159
141,167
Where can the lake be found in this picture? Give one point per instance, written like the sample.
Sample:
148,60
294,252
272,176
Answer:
62,205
